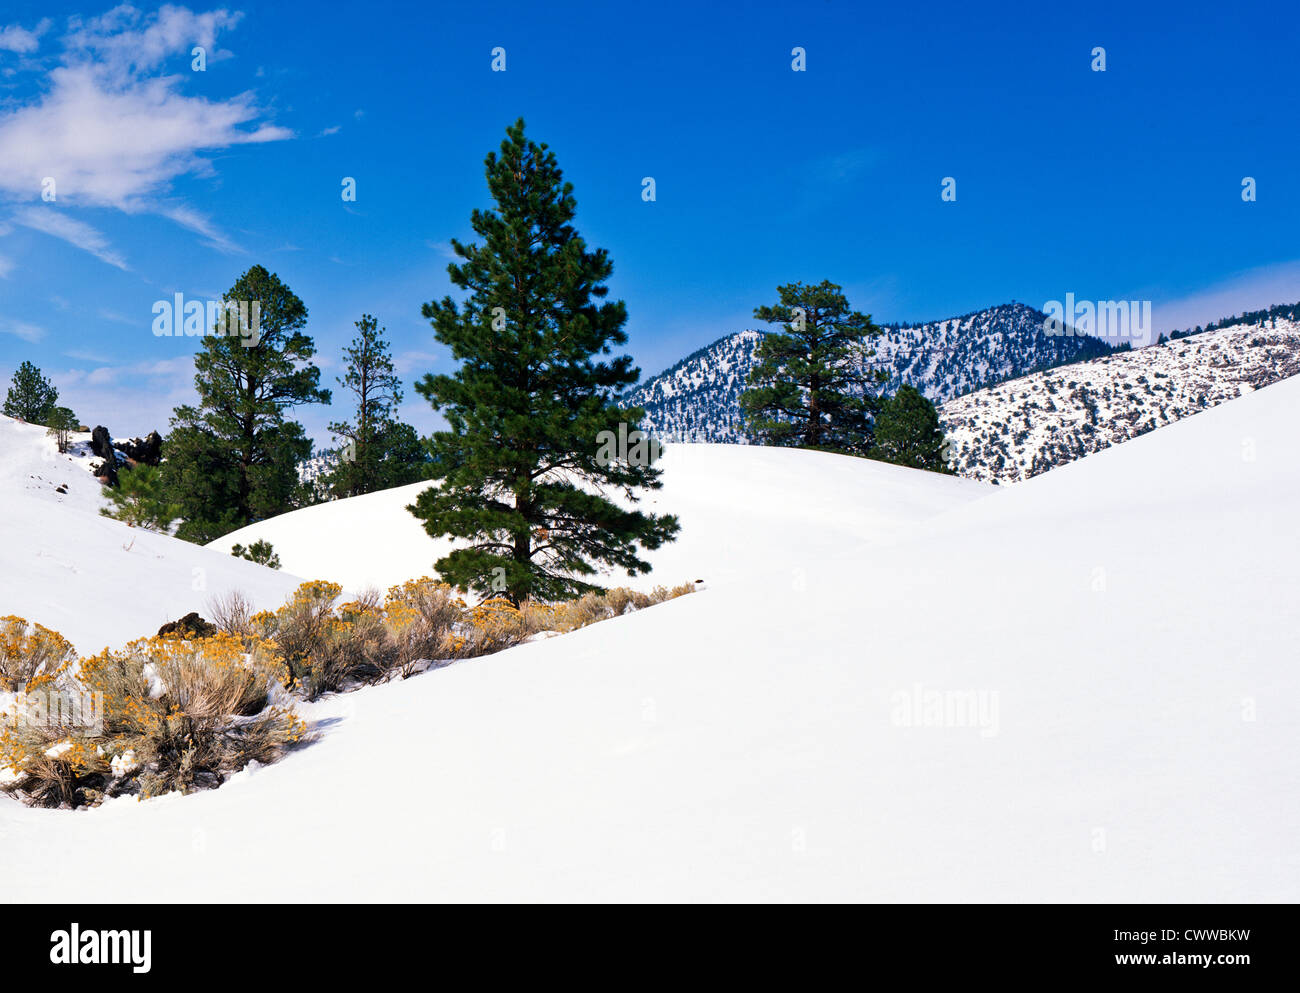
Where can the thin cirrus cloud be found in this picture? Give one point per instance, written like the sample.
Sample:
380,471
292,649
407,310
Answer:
59,224
104,87
21,329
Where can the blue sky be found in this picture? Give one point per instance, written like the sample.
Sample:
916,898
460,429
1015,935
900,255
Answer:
1123,184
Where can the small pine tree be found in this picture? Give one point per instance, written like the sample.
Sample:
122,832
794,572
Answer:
376,451
808,386
140,500
907,432
61,422
261,551
523,465
31,396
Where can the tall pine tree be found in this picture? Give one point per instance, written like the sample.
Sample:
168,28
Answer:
234,458
809,387
377,451
523,467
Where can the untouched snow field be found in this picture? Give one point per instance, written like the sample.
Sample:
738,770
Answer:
1121,631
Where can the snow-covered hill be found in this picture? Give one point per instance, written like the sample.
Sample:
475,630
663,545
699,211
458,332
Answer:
95,580
1058,691
740,510
1026,426
698,399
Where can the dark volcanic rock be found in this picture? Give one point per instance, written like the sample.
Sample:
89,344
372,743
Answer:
146,452
191,624
102,445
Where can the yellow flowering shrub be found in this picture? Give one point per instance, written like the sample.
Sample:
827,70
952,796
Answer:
183,713
175,713
31,655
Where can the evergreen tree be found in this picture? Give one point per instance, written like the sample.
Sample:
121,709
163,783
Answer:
809,385
405,457
140,499
534,403
907,432
261,551
61,422
31,396
377,452
234,458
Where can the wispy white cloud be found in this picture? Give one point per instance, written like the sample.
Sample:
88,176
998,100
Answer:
200,224
21,329
126,40
86,356
16,38
96,392
114,130
116,143
6,266
179,368
58,224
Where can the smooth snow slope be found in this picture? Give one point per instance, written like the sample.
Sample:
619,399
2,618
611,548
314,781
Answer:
1129,619
94,580
742,510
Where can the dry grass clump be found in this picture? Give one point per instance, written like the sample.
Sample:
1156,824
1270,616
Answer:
592,607
498,624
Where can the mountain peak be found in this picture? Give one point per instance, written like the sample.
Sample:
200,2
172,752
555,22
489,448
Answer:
698,398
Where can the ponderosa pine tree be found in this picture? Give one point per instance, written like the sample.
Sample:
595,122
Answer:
234,458
140,499
31,396
809,386
60,422
523,467
377,451
907,432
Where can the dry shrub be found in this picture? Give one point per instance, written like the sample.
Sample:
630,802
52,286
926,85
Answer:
353,645
490,626
177,714
328,647
31,655
51,766
184,713
301,627
421,616
592,607
232,612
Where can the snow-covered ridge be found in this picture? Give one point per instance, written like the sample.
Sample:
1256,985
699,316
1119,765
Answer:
1026,426
698,399
741,510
